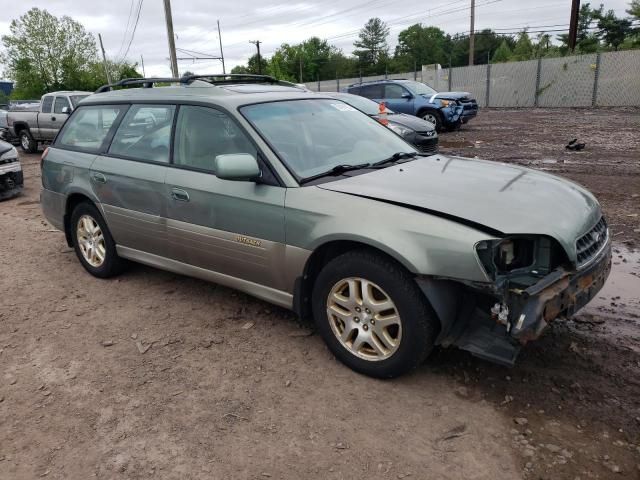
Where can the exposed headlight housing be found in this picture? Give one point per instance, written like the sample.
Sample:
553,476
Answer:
447,103
11,154
520,255
402,131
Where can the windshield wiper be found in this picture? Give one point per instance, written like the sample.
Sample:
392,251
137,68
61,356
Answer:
337,170
395,157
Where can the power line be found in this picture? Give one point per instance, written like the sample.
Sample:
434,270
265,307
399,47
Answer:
126,29
133,33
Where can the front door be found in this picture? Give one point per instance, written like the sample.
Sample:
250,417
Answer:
129,178
235,228
58,117
398,98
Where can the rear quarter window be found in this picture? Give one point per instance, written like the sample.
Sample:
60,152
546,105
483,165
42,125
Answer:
89,127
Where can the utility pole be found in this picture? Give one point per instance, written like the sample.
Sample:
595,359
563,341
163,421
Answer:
300,62
104,61
257,44
573,24
172,44
142,63
472,31
221,54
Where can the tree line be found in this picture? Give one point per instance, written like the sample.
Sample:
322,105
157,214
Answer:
43,53
316,59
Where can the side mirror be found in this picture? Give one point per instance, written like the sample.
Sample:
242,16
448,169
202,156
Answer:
237,166
407,95
66,110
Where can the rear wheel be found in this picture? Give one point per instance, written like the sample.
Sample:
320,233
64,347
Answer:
93,243
372,315
28,144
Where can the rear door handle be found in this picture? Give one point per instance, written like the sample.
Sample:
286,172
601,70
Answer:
98,177
179,194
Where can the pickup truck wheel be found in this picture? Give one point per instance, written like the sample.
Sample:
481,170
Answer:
28,144
372,315
432,117
93,243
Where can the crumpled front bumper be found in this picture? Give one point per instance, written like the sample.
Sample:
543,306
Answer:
11,180
451,115
561,293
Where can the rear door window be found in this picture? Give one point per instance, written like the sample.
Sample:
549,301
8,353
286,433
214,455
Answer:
46,104
89,127
145,133
372,91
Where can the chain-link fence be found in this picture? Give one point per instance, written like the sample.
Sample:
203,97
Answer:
598,79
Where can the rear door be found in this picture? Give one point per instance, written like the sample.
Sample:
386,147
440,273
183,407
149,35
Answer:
373,92
231,227
129,178
394,99
42,131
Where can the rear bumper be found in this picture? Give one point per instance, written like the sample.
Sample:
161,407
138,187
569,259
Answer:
53,207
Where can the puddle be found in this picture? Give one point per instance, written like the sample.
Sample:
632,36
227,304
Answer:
620,296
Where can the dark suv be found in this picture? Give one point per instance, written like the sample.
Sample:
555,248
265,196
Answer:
443,109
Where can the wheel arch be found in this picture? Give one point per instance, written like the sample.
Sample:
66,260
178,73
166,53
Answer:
324,253
73,200
18,127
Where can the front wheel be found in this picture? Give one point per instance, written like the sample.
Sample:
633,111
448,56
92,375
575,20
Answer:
433,117
28,144
372,315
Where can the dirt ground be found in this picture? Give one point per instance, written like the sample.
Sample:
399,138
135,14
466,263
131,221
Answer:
154,375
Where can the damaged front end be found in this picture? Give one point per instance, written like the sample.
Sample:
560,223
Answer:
534,283
11,177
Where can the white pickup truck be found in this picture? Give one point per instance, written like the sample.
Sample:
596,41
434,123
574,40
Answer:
34,127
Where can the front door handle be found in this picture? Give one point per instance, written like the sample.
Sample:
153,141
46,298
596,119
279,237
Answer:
179,194
98,177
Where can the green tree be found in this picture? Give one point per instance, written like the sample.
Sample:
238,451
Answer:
252,66
502,53
586,40
45,53
634,9
371,47
418,45
613,30
524,47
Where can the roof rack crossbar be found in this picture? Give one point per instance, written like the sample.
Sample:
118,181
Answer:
375,81
230,77
145,82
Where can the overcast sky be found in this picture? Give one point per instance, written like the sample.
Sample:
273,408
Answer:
277,21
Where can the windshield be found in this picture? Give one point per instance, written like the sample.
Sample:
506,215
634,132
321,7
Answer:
75,99
364,104
313,136
419,88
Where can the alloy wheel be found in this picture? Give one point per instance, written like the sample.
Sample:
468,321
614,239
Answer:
364,319
91,241
431,118
24,141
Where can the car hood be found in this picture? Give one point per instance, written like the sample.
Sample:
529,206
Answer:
409,121
449,96
490,196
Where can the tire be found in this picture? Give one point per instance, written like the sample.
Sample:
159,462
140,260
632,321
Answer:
404,346
28,144
110,264
434,117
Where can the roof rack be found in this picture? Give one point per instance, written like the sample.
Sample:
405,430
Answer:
145,82
376,81
234,78
213,79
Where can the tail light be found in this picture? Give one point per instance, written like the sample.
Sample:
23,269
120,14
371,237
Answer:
44,155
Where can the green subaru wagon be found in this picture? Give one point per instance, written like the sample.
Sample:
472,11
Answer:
306,202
